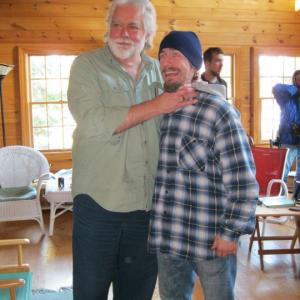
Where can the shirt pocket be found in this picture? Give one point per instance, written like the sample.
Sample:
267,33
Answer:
116,93
192,154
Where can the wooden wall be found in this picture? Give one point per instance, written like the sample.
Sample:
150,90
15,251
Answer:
235,25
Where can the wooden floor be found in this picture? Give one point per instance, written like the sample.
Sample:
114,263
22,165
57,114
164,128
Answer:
51,263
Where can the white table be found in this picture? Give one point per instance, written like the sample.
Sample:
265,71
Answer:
58,198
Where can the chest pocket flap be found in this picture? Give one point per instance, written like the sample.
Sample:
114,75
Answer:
193,153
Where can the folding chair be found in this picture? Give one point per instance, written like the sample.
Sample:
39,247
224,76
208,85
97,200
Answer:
15,279
270,166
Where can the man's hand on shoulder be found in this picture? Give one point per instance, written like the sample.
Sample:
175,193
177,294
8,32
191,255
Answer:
170,102
224,247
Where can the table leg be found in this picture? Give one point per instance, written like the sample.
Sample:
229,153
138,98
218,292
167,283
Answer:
260,245
52,218
297,232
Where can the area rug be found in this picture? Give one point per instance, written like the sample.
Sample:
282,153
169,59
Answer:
61,294
66,293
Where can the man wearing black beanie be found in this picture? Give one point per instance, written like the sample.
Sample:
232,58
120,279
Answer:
205,191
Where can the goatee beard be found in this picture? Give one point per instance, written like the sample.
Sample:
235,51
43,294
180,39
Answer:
215,74
172,87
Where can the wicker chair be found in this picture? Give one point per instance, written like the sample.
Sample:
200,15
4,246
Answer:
22,172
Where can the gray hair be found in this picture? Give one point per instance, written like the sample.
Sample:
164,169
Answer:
148,12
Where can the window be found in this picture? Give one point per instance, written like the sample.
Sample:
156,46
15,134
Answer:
269,69
227,75
272,70
46,122
52,124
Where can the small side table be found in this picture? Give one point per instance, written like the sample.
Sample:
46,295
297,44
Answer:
263,212
59,198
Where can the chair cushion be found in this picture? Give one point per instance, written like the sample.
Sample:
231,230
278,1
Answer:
23,292
17,193
277,201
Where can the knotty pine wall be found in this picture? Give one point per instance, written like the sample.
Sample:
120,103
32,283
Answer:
234,25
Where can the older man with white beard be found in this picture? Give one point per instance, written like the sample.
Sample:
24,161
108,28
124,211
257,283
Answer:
114,96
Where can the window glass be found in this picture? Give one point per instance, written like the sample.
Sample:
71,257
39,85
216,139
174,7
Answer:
273,70
52,123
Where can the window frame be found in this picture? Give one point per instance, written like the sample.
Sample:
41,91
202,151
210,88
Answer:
255,85
26,115
236,83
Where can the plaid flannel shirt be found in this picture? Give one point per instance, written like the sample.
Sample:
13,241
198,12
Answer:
205,182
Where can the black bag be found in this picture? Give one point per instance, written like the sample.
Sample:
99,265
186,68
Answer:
296,194
296,129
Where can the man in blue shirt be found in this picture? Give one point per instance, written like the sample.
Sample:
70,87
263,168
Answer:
205,192
288,99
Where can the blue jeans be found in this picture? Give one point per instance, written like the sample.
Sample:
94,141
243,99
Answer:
111,247
294,153
176,277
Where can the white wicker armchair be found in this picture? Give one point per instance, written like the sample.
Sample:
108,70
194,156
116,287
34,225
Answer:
19,199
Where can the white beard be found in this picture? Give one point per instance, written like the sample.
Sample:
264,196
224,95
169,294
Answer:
120,53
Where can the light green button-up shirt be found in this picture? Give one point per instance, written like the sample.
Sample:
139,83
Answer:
117,171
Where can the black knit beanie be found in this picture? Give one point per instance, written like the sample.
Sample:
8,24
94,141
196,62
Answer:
187,43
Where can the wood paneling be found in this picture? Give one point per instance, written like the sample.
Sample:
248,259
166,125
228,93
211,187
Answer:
234,25
200,25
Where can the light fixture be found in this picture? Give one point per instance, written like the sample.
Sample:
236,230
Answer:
4,70
297,5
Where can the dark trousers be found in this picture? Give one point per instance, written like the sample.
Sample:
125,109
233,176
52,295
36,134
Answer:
110,247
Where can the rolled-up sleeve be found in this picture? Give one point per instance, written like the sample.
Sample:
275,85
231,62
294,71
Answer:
238,174
93,117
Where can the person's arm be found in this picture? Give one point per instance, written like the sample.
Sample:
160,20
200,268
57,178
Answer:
162,104
238,175
94,118
283,92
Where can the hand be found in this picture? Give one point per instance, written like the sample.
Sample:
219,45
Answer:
224,247
170,102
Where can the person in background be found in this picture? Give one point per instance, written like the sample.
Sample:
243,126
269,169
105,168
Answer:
205,189
288,99
114,97
213,61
